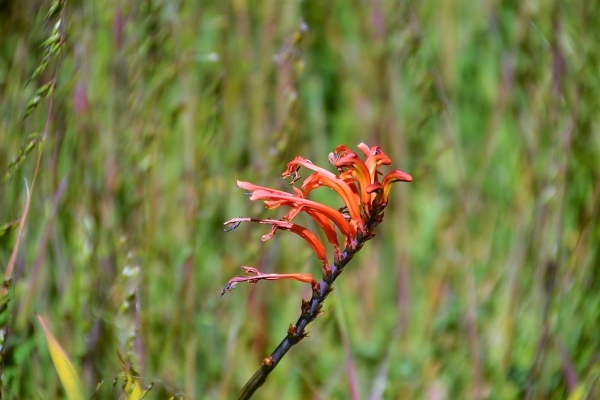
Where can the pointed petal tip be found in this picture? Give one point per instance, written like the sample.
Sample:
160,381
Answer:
398,175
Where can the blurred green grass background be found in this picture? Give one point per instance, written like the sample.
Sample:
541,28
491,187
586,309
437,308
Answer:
483,281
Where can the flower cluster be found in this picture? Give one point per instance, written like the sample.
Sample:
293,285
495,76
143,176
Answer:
360,188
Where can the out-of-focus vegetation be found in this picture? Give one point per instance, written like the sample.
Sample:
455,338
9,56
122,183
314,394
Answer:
482,283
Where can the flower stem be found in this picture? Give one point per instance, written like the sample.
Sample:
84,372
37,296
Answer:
310,311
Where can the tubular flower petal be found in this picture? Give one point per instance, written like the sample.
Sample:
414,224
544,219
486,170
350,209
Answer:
301,231
349,178
375,188
339,152
251,187
290,200
394,176
364,148
326,225
258,276
360,172
343,190
376,159
294,166
292,214
277,203
320,219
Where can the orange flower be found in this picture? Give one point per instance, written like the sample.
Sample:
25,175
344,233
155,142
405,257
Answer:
394,176
357,183
357,171
366,173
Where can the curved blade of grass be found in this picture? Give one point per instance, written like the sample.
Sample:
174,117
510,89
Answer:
66,372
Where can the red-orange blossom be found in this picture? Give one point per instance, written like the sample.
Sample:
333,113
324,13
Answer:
357,183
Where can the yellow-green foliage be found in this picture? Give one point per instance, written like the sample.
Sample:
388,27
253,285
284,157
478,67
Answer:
66,372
